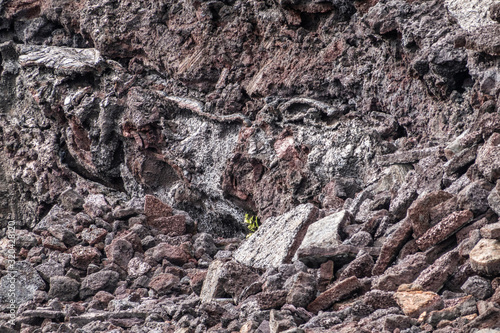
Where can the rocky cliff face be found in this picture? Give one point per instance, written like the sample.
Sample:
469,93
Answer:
135,135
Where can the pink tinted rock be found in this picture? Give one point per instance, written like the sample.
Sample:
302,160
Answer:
120,252
339,291
163,283
170,225
434,276
488,158
419,211
444,229
82,256
154,208
175,254
94,235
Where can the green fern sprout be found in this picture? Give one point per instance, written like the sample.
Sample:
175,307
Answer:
252,224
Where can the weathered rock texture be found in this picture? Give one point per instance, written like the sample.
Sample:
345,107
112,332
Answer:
136,135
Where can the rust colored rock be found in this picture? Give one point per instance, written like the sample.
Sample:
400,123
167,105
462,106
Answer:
434,277
53,243
274,299
419,211
154,208
175,225
444,229
391,247
82,256
338,292
163,283
175,254
404,272
414,303
325,274
360,267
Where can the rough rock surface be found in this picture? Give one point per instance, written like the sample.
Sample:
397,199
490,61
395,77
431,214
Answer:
136,135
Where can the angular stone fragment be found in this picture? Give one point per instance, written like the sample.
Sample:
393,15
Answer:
464,307
71,200
434,276
175,254
444,229
154,208
302,289
53,243
211,287
82,256
491,231
419,211
488,157
414,303
103,280
63,234
163,283
170,225
94,235
404,272
64,288
474,198
50,269
22,280
460,160
325,274
276,241
137,267
120,252
360,267
392,245
494,199
96,205
273,299
478,287
339,291
485,257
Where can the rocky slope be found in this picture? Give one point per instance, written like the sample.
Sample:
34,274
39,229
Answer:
135,136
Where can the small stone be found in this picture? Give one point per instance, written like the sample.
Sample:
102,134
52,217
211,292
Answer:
163,283
204,244
360,267
175,225
414,303
485,257
494,199
120,252
339,291
103,280
491,231
71,200
96,205
325,274
53,243
137,267
495,12
474,198
50,269
82,256
94,235
154,208
175,254
478,287
274,299
444,229
302,289
64,288
63,234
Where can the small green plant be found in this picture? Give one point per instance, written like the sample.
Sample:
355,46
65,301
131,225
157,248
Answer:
252,223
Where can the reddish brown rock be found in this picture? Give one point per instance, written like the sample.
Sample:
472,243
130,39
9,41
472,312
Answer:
391,247
434,277
419,211
82,256
339,291
274,299
53,243
175,225
163,283
175,254
404,272
360,267
444,229
154,208
325,275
